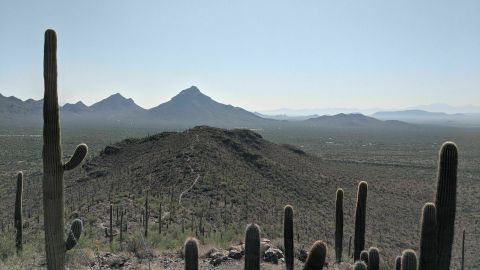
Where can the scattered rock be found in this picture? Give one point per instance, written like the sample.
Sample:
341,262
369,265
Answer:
235,254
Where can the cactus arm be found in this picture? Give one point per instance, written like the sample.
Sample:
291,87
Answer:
316,256
78,156
409,260
339,225
288,237
428,239
360,216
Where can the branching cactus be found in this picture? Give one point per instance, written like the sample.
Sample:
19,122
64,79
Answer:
360,216
191,254
18,214
53,166
316,256
252,247
445,202
74,234
373,259
288,237
359,266
398,263
409,260
428,239
339,225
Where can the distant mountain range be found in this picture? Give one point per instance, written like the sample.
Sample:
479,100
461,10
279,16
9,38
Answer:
191,107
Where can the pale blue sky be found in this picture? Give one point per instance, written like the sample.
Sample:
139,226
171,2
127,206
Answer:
260,55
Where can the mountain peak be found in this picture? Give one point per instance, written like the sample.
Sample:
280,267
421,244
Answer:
116,102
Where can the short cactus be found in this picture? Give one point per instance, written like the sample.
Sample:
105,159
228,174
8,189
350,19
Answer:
409,260
316,256
373,259
191,254
18,214
252,247
74,234
428,239
445,202
398,263
288,237
359,266
360,216
53,167
339,225
364,256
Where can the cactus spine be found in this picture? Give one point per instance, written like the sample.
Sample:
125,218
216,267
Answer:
339,225
288,237
191,254
360,216
359,266
428,239
373,259
316,256
53,167
398,263
409,260
252,247
445,202
18,213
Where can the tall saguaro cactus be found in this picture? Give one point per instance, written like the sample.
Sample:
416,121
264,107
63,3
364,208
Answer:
53,166
18,213
445,202
360,216
428,239
252,247
339,225
288,237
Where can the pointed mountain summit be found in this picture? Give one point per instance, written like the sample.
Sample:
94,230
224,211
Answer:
192,107
78,107
116,102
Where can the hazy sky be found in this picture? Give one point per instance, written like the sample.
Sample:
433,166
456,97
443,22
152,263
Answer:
260,55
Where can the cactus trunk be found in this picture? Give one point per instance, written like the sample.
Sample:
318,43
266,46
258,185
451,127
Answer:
446,203
191,254
18,214
252,247
288,237
339,225
360,216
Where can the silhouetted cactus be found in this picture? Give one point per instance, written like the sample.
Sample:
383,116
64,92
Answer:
191,254
252,247
373,259
428,239
74,234
18,219
409,260
364,256
359,266
53,167
110,235
288,237
316,256
339,225
398,263
446,202
360,216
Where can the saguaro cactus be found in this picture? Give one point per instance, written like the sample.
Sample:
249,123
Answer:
146,215
398,263
339,225
74,234
373,259
445,202
359,266
316,256
191,254
53,166
409,260
288,237
111,223
428,239
18,213
364,256
360,216
252,247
